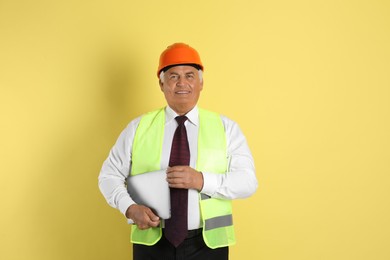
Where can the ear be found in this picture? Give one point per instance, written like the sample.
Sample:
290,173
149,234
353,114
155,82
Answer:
201,84
161,85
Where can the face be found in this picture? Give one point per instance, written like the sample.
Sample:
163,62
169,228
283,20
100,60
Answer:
181,86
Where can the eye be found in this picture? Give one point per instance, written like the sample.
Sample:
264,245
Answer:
190,76
173,77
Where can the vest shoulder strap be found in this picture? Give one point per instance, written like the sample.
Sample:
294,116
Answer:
150,132
212,151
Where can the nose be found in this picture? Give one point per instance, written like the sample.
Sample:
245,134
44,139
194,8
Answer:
181,81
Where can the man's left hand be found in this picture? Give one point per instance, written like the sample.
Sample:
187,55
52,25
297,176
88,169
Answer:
184,177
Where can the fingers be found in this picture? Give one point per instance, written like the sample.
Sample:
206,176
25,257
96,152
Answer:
152,217
184,177
178,176
179,168
143,216
148,220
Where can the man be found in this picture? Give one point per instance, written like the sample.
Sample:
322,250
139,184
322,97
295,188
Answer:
206,160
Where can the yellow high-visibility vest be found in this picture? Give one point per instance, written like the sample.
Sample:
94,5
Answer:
216,214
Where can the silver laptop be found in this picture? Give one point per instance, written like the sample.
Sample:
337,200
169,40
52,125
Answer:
152,190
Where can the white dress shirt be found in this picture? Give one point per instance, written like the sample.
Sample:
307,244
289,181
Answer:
238,182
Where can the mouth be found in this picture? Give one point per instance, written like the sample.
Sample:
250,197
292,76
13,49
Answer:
182,92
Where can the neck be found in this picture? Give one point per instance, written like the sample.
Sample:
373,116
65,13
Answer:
181,111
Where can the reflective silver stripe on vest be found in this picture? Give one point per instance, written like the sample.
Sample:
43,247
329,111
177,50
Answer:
204,196
217,222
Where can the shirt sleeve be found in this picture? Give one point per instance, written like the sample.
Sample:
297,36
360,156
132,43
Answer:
240,179
116,168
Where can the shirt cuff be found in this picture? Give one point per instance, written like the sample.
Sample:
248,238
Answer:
210,183
124,204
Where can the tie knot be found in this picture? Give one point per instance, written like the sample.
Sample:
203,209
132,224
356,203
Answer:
181,119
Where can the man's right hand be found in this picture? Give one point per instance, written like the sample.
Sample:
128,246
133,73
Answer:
142,216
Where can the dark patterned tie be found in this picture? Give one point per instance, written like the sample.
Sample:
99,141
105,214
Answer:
176,226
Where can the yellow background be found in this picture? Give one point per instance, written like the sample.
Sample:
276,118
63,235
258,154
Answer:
307,81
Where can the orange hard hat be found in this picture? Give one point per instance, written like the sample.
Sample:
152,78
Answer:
179,54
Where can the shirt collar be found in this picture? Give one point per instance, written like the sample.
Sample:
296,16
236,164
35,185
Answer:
192,115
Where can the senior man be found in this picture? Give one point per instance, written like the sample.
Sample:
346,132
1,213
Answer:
204,156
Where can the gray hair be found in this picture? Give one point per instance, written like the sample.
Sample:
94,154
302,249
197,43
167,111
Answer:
200,73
